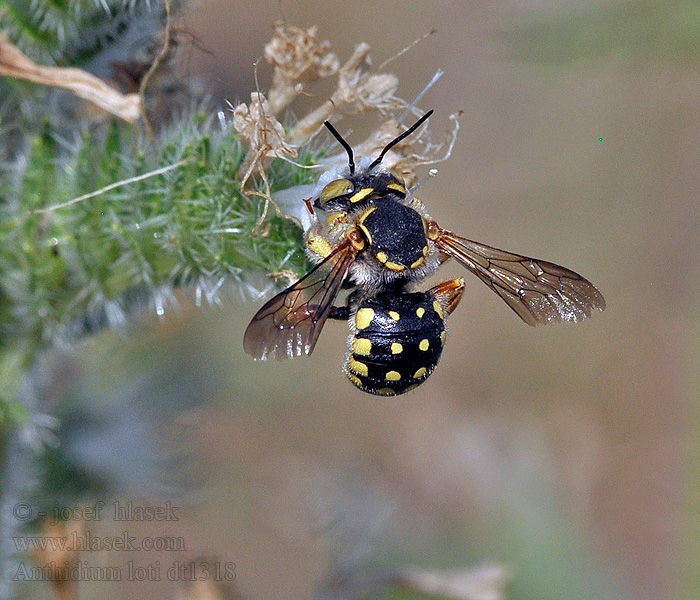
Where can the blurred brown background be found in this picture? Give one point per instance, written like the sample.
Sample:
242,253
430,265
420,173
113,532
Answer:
558,452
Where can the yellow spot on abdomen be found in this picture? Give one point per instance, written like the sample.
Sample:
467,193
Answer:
359,367
396,348
443,335
356,380
420,373
424,344
394,315
420,311
364,317
362,346
392,376
438,309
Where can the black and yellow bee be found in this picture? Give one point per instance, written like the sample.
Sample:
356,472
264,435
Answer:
378,241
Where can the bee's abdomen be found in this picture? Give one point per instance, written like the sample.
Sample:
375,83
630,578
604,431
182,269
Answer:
397,342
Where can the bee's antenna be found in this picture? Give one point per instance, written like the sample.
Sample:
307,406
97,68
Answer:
404,135
344,144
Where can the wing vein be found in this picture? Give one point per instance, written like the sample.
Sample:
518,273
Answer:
537,290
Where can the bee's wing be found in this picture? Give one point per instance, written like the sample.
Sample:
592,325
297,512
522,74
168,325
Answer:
289,324
537,290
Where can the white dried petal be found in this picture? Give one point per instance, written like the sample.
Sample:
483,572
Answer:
359,90
260,129
299,58
299,55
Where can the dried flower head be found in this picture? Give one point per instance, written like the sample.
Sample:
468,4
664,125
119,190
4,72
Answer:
299,58
263,133
266,141
359,90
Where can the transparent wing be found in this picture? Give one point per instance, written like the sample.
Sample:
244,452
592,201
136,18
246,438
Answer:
290,323
537,290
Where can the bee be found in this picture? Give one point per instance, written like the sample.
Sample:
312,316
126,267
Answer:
379,241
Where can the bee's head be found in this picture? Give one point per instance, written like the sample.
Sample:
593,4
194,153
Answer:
346,192
370,180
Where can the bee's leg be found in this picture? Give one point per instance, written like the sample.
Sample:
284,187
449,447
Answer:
318,246
340,313
448,294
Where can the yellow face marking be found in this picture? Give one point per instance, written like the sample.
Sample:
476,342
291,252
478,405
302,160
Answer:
443,335
336,189
396,348
361,194
319,246
359,367
417,263
420,311
420,373
392,265
392,376
394,315
364,317
382,257
362,346
438,309
424,344
396,186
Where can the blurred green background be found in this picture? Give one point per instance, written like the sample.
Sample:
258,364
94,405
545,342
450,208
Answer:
563,453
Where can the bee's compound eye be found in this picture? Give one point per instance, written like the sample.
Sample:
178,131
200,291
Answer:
336,189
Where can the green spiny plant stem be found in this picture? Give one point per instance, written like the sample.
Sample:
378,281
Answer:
95,218
70,32
77,264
